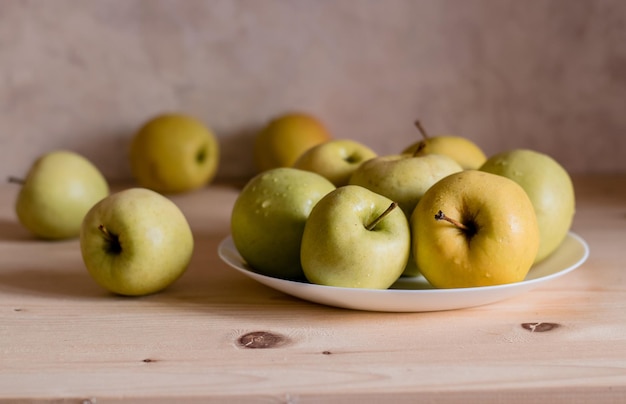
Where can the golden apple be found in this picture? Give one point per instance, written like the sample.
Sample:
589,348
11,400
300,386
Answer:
285,138
58,191
549,188
462,150
174,153
474,229
335,160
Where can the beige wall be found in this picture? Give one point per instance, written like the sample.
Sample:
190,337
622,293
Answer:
542,74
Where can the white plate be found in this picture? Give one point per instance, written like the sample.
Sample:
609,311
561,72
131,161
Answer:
415,294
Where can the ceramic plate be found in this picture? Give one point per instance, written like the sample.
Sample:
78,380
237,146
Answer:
415,294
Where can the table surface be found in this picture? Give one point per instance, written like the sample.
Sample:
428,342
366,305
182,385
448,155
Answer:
217,335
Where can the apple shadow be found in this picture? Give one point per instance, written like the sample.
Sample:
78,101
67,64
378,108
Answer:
12,230
211,286
50,282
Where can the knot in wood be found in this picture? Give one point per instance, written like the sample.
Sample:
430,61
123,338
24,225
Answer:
539,327
262,340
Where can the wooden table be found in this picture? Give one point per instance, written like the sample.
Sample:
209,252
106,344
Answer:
63,338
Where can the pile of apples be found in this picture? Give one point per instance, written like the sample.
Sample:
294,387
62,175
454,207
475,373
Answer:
323,210
332,212
136,241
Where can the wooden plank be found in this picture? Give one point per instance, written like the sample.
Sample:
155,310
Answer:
64,338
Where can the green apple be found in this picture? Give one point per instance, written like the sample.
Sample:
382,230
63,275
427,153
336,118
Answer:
404,178
173,153
59,189
355,238
474,229
285,138
462,150
136,242
335,160
549,187
268,217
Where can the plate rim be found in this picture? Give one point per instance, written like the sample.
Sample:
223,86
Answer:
227,245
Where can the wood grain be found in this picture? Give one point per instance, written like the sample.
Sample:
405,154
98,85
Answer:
217,336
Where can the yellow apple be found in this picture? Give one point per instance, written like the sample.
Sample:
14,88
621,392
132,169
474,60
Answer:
549,188
474,229
404,178
135,242
285,138
335,160
355,238
174,153
58,191
462,150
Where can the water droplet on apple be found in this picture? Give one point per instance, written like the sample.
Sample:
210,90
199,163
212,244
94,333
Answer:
265,204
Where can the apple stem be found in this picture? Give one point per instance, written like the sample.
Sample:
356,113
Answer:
15,180
105,232
419,148
382,216
419,126
441,216
112,241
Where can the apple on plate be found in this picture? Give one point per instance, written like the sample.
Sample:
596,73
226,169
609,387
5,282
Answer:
173,153
355,238
135,242
474,229
335,160
404,178
59,189
268,217
462,150
285,138
549,188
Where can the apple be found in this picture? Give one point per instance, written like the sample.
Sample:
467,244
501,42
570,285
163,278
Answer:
268,217
285,138
404,178
59,189
549,188
135,242
462,150
355,238
173,153
335,160
474,229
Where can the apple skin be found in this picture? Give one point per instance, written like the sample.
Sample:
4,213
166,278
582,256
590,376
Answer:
462,150
59,189
549,188
268,217
339,250
146,245
404,178
504,238
285,138
174,153
335,160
